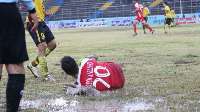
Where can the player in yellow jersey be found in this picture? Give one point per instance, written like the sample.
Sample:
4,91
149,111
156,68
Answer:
44,40
168,16
146,13
173,17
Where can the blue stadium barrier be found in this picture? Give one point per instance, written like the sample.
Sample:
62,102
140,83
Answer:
154,21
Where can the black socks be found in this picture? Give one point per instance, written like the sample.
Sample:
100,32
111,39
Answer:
14,91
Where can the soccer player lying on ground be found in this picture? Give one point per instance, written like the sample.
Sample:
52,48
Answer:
168,17
44,40
92,76
139,17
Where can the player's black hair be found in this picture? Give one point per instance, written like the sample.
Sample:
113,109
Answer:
166,3
69,65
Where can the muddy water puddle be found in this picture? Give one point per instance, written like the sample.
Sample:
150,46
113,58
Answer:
74,105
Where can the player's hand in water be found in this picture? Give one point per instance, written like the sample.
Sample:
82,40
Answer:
69,85
80,90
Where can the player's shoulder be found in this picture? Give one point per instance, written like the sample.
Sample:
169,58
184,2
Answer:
167,7
81,62
38,2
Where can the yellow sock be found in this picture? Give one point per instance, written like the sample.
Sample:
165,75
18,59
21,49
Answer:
47,51
43,65
36,61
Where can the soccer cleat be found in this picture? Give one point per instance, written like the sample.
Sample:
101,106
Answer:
152,32
135,34
34,70
49,77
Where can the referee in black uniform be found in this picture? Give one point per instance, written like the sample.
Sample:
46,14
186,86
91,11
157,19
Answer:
13,49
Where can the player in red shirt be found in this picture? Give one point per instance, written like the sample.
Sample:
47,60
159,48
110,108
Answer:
101,75
140,18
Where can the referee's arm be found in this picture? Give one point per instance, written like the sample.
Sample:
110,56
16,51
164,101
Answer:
32,13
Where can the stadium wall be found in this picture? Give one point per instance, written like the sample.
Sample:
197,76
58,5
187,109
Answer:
83,9
154,21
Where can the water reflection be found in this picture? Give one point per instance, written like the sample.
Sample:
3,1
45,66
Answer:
65,105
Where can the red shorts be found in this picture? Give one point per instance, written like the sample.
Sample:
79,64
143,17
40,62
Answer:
141,19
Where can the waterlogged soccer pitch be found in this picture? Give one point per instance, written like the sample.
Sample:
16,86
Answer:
162,72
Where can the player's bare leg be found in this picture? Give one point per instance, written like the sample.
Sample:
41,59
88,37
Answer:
148,27
33,65
144,29
40,60
167,28
135,27
50,47
43,51
15,68
167,25
43,63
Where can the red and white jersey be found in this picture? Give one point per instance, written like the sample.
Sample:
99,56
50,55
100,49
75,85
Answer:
138,10
101,75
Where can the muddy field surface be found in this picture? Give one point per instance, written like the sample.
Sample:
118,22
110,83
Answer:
161,71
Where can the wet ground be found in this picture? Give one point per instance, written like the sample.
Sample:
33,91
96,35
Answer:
162,72
64,105
157,104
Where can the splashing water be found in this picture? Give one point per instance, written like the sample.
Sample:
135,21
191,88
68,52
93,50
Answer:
138,106
53,105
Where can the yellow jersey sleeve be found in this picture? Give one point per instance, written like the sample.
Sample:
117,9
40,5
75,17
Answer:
167,12
146,12
40,9
173,13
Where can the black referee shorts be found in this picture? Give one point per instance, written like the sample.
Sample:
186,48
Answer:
12,35
42,34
